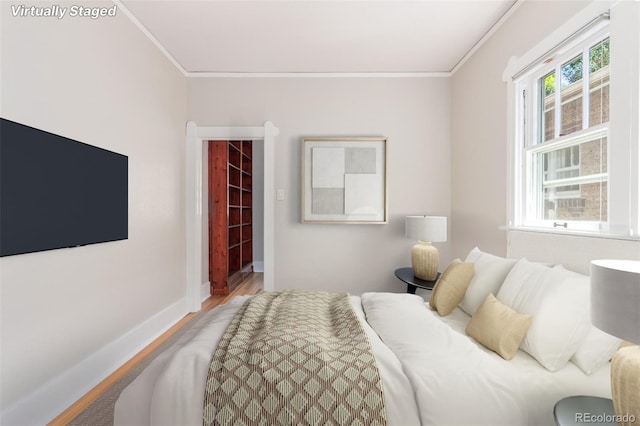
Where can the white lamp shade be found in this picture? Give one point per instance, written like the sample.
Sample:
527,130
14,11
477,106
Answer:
615,297
426,228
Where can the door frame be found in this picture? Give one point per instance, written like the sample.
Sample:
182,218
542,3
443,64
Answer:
196,137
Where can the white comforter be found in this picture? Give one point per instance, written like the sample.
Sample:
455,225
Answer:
432,373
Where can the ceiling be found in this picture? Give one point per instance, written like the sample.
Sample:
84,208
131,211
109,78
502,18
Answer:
328,36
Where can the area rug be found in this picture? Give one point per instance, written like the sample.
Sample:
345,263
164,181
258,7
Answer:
100,411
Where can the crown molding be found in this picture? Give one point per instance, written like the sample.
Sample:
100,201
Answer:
418,74
318,74
150,36
516,4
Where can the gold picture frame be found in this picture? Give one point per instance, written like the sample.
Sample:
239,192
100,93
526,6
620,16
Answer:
344,180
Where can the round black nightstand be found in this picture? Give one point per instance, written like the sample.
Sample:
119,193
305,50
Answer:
413,283
580,410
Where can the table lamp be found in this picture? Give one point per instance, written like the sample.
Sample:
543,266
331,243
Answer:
615,309
425,258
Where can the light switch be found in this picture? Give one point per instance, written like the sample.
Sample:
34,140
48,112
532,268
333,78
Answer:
280,194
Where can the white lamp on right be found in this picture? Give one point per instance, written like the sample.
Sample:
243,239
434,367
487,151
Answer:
425,258
615,309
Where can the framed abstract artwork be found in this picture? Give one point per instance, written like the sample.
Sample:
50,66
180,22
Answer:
344,180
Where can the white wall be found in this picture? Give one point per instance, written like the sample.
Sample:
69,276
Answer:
479,149
412,112
479,126
104,83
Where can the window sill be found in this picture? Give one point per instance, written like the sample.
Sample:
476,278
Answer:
574,233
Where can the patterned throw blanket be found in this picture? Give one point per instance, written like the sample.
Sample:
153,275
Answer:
294,358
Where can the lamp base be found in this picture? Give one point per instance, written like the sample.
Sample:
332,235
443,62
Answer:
425,260
625,385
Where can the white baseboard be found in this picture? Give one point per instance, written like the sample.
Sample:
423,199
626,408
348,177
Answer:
52,398
205,291
258,266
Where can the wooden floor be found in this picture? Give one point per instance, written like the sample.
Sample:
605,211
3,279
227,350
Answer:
252,285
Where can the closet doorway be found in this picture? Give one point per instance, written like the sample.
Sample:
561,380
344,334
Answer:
235,212
196,224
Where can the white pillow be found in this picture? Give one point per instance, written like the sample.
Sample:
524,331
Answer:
489,273
596,350
598,347
558,300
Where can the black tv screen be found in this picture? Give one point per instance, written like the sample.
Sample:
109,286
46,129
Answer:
56,192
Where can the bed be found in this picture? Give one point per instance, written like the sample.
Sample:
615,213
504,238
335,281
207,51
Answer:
431,370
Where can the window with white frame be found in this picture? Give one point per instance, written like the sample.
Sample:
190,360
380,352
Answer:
565,149
567,157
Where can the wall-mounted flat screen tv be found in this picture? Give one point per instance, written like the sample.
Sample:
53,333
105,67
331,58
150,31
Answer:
56,192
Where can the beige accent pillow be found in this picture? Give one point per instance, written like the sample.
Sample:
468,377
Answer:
498,327
451,286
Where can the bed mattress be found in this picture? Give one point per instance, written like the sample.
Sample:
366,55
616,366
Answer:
432,372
